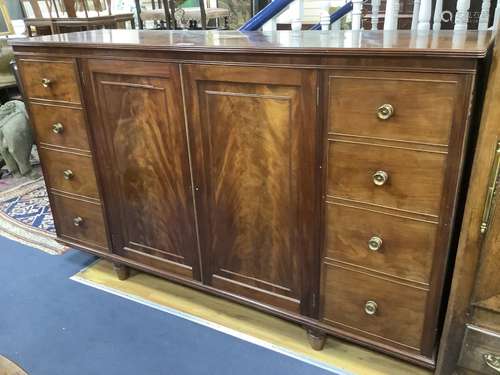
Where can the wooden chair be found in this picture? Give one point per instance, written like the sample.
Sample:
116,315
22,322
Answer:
56,16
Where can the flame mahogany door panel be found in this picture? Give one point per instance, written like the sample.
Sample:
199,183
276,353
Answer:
139,128
254,146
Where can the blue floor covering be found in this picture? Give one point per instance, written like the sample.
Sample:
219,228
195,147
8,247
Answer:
51,325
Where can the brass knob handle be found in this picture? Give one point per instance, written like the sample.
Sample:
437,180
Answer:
492,361
385,111
46,82
77,221
380,178
57,128
371,307
68,174
375,243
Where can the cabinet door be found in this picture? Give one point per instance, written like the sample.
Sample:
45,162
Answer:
254,149
140,135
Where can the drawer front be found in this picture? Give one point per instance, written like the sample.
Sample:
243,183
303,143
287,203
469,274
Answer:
60,126
72,173
50,80
79,220
390,244
480,351
372,306
422,105
414,179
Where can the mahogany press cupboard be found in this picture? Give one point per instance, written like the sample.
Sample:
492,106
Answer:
312,175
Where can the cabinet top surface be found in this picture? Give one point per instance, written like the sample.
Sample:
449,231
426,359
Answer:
401,42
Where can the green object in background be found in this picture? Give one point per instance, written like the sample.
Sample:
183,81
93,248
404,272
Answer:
190,4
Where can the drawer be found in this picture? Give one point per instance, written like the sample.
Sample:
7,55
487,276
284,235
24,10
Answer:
60,126
79,220
390,244
480,350
72,173
50,80
414,179
422,105
372,306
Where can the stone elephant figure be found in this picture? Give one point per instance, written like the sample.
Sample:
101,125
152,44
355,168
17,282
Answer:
16,138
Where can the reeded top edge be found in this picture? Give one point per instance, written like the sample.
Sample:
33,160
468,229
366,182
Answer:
400,42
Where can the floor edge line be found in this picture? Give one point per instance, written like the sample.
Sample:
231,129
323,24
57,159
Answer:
209,324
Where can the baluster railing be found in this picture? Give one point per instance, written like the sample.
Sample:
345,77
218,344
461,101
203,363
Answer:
335,16
296,14
356,14
496,19
324,20
438,10
484,17
391,15
424,15
421,18
270,25
462,15
296,25
336,25
375,11
266,14
414,18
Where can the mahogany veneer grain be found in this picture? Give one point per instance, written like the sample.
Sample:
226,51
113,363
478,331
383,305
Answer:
241,164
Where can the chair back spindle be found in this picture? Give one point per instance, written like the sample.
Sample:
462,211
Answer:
375,12
424,15
438,10
356,14
414,18
484,17
462,15
391,15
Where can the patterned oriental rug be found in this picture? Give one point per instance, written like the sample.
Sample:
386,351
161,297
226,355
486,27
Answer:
25,217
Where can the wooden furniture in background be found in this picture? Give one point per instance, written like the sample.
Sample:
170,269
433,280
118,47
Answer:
471,338
63,16
44,26
313,178
65,8
186,17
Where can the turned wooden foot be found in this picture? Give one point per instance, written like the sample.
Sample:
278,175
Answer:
316,339
122,271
